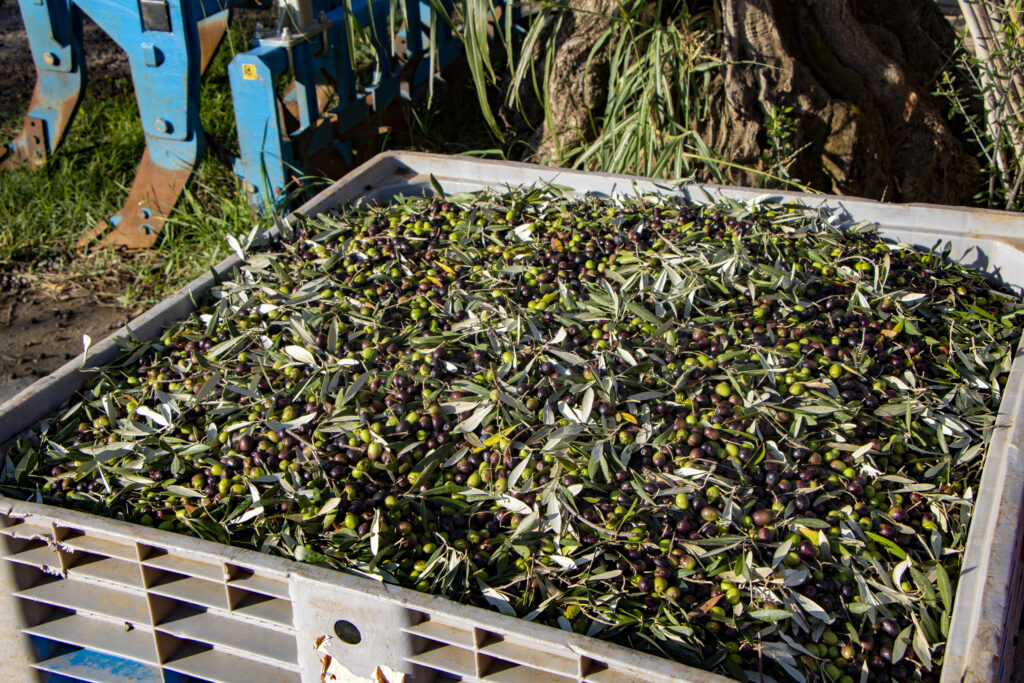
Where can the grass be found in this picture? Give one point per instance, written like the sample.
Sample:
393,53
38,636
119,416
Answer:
43,213
658,64
659,73
449,122
986,97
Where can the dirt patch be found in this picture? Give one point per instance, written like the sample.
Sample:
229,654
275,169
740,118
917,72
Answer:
42,321
105,61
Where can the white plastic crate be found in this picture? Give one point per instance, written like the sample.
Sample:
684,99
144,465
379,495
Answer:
89,598
95,599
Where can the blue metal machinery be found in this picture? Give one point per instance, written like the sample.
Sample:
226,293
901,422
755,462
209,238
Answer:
169,43
314,46
283,135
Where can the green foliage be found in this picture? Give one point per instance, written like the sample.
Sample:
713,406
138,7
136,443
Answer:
663,57
658,79
987,96
780,129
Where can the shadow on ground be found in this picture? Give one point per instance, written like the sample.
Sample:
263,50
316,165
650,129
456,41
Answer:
42,321
104,60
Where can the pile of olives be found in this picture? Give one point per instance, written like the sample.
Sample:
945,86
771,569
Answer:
733,435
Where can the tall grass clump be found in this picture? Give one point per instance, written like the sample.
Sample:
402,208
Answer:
985,87
663,57
657,81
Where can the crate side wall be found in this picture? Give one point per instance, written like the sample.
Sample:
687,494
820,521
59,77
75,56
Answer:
983,239
15,649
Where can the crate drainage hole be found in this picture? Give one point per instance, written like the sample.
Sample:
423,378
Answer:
347,631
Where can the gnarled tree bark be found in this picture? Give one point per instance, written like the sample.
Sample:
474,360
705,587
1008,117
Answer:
855,73
577,86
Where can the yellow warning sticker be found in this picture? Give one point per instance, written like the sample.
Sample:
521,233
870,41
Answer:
249,72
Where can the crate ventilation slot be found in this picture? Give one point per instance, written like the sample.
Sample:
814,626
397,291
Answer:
99,608
454,650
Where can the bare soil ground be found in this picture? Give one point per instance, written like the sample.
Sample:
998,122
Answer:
42,320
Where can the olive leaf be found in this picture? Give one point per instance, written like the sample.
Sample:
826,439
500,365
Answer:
300,354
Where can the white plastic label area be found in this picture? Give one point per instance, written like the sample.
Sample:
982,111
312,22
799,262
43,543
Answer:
91,598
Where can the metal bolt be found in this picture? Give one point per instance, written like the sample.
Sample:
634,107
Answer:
163,125
50,59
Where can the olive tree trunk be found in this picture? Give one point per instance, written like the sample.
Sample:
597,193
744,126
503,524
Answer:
854,75
577,86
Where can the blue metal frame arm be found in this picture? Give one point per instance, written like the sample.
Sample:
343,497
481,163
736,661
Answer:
165,69
265,148
168,44
55,36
